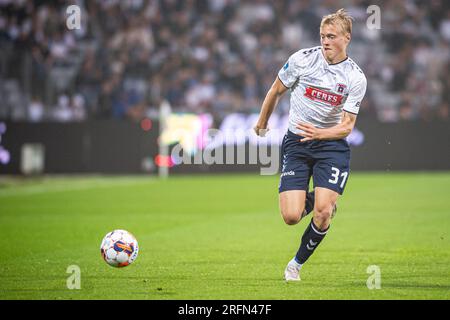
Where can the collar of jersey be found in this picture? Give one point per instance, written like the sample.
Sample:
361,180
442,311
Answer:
331,64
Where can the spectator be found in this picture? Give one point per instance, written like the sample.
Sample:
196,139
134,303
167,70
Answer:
218,56
35,110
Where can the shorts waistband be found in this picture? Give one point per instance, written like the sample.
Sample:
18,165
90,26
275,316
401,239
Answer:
290,134
295,136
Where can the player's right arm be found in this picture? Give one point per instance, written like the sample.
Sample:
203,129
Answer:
270,101
286,78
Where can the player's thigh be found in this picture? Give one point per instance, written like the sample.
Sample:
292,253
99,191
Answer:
292,204
294,179
294,183
296,171
332,170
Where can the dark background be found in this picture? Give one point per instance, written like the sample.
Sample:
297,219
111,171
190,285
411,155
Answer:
83,93
120,147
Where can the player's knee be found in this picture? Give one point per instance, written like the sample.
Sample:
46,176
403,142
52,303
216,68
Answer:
322,215
291,220
290,217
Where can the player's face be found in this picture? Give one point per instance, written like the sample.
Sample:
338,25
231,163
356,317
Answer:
334,42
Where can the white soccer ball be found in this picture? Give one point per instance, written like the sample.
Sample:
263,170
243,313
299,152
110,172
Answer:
119,248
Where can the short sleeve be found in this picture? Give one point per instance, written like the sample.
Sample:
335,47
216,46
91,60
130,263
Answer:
356,95
292,69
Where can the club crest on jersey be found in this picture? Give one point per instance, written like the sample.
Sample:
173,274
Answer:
340,87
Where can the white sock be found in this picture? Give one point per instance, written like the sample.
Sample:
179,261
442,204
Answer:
295,263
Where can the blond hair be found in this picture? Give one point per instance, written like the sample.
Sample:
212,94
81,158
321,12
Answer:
341,18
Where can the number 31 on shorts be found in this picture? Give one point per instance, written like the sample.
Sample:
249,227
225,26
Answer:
336,175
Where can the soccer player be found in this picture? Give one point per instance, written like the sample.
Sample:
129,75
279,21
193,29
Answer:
327,88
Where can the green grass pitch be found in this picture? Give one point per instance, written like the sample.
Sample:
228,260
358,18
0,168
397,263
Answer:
222,237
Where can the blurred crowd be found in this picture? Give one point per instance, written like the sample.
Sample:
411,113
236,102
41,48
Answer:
213,56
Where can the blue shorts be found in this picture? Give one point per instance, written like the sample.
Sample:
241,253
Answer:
328,162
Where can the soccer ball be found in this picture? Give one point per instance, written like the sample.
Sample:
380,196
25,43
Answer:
119,248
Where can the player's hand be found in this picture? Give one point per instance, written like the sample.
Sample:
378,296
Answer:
260,131
309,132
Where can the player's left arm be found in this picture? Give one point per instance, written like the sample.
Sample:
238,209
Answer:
349,114
339,131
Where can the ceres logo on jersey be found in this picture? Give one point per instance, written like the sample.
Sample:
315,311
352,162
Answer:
286,66
323,96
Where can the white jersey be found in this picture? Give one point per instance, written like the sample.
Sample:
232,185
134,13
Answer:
320,91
